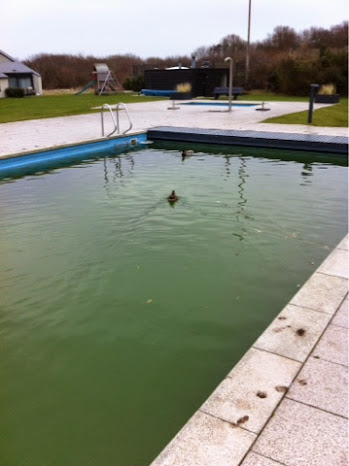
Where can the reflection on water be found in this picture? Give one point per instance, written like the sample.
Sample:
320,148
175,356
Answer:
110,293
242,199
307,173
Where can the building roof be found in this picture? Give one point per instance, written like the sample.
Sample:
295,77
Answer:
13,66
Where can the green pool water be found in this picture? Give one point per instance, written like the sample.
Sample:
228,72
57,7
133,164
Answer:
121,313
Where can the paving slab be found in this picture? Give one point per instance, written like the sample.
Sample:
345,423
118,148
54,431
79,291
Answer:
322,293
300,435
293,333
333,345
322,384
344,244
253,459
336,264
341,317
206,441
253,389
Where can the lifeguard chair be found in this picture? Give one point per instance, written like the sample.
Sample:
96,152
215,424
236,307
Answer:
105,80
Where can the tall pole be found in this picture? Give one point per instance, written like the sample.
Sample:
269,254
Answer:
313,90
229,59
248,43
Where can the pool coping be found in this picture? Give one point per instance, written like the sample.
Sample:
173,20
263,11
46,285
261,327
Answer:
71,152
102,141
235,424
267,139
331,145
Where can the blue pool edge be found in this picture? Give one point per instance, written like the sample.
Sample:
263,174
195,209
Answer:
337,145
71,152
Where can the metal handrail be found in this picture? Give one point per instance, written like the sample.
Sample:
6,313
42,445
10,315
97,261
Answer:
116,120
112,116
120,104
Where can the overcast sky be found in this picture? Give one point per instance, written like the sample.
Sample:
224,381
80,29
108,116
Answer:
150,27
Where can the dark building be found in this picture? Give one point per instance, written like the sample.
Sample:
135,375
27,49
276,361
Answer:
202,80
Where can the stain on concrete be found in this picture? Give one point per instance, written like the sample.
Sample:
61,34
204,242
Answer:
281,388
242,420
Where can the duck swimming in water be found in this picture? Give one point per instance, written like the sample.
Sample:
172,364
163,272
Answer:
172,197
187,153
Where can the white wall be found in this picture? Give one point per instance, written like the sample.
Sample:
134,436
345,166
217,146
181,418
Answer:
37,84
3,86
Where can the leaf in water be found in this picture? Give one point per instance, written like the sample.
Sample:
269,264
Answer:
150,301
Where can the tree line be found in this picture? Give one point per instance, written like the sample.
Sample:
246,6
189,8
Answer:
285,62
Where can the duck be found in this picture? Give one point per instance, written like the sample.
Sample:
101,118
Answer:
172,197
187,153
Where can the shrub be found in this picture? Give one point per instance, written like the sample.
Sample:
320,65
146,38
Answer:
134,84
183,87
327,89
14,92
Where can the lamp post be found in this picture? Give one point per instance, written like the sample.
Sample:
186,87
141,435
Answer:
229,59
313,90
248,43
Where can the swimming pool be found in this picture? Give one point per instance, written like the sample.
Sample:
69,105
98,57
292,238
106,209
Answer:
121,313
220,104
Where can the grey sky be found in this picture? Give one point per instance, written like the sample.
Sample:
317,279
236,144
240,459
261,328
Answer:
150,27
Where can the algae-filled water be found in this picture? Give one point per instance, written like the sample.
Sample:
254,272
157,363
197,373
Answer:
121,313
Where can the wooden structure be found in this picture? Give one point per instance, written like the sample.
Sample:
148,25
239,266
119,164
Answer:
203,80
105,80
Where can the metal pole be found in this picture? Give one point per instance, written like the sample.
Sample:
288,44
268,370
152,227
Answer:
248,43
313,90
229,59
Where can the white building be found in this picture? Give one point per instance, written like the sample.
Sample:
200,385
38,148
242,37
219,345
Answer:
15,74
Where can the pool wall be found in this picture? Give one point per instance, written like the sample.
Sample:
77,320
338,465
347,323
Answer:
332,145
272,140
72,152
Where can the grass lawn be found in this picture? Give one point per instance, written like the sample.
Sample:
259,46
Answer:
265,97
30,108
332,115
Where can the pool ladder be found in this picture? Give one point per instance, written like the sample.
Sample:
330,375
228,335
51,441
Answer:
115,118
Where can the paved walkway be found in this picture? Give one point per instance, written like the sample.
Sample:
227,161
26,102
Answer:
33,135
285,403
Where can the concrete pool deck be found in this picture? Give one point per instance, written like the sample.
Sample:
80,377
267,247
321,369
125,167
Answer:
34,135
285,402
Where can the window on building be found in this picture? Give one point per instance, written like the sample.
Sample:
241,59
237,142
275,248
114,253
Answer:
22,81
